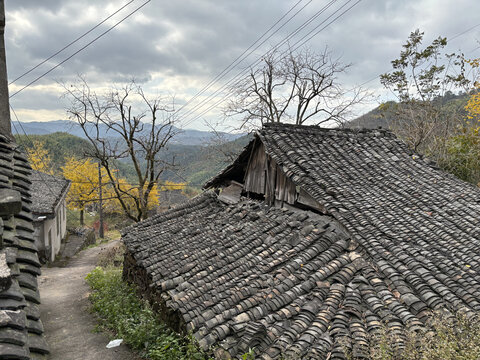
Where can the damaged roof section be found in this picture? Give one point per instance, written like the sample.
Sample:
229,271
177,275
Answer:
287,283
21,330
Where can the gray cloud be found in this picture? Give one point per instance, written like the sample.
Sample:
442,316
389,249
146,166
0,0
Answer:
195,40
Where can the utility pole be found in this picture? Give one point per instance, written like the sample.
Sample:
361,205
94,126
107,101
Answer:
100,211
5,126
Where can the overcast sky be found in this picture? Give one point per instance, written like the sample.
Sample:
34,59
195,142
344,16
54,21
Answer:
177,47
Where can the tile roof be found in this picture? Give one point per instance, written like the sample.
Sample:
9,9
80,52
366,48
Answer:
386,196
287,283
21,330
47,191
401,238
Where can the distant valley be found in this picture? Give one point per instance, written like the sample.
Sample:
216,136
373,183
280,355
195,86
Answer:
183,137
196,154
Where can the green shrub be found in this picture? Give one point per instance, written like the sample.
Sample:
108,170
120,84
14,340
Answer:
450,338
121,311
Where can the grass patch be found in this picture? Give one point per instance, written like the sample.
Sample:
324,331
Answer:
121,311
112,257
73,218
113,234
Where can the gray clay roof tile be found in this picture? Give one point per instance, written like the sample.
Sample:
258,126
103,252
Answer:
21,330
47,190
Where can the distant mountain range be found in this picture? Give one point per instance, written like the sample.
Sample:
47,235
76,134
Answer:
184,136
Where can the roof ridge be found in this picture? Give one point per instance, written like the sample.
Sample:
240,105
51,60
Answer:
317,128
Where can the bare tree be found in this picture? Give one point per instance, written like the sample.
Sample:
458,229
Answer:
300,87
116,131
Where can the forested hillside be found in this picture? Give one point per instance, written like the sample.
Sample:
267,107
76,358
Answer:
182,137
385,114
194,164
60,146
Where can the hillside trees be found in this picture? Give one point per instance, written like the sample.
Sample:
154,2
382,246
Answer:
464,146
293,86
129,196
420,78
117,130
424,79
59,145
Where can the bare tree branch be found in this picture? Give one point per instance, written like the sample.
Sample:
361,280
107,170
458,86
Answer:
141,136
300,87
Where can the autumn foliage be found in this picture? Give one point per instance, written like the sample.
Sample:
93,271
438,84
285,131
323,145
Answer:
129,194
39,157
84,190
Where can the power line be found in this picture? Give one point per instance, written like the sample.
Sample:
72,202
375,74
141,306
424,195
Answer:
352,89
239,75
464,32
450,39
79,50
241,57
284,41
71,43
42,176
314,31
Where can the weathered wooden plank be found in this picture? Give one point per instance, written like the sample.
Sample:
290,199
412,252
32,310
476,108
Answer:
255,176
305,199
231,194
290,191
280,186
271,181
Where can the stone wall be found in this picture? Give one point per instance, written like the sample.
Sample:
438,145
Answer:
137,275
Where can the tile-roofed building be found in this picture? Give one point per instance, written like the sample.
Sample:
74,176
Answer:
48,191
21,330
370,234
49,210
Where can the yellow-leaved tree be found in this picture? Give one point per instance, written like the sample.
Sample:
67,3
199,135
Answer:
130,196
84,190
473,104
39,157
83,173
172,186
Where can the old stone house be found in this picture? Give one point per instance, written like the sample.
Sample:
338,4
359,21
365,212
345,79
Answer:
21,330
311,242
49,210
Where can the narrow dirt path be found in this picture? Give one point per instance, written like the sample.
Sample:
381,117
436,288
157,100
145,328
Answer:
68,324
